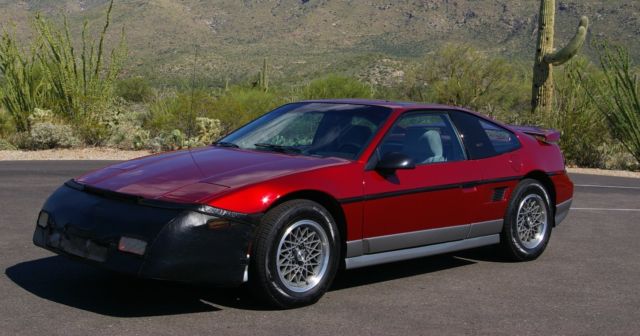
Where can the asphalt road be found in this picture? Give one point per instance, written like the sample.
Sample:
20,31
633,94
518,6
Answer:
587,281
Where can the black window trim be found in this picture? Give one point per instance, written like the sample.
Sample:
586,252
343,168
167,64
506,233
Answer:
487,120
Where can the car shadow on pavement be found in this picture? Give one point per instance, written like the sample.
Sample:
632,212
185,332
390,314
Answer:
103,292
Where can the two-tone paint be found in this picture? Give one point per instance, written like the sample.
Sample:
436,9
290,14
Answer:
434,208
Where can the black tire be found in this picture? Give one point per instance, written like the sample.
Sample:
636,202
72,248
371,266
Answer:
528,192
267,280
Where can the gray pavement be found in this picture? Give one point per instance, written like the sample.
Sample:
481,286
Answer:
586,283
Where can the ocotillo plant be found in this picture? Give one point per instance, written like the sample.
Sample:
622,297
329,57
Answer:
21,89
618,96
547,57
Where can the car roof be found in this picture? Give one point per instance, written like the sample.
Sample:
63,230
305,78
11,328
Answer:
385,103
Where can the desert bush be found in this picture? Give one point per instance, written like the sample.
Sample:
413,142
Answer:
81,87
239,105
76,84
7,127
463,76
47,135
336,86
41,116
208,130
134,89
126,127
22,87
6,145
173,140
618,97
179,112
584,141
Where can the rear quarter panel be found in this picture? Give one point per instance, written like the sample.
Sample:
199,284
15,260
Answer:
547,158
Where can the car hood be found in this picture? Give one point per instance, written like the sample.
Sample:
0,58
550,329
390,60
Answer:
191,176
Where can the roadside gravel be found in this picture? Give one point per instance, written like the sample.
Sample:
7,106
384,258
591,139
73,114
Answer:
72,154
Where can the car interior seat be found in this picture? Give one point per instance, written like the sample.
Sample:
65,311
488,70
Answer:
423,145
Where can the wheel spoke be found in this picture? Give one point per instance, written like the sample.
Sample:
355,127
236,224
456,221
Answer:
303,255
531,220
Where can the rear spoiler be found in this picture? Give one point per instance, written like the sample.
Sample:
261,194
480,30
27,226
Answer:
549,136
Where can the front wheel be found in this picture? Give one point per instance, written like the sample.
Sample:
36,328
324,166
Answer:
528,221
295,255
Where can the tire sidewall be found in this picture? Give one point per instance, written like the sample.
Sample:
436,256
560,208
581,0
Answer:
525,188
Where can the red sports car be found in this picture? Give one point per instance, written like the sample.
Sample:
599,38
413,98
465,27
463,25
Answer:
288,199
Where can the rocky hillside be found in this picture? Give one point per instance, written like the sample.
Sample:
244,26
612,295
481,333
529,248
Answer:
303,37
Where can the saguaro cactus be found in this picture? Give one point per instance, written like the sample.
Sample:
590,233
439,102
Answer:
263,80
547,57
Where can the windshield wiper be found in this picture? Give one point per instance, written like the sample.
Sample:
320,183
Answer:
225,144
278,148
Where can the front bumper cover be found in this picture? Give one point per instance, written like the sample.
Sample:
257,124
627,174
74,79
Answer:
182,245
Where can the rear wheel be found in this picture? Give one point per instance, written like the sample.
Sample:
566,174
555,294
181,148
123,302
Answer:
295,255
528,221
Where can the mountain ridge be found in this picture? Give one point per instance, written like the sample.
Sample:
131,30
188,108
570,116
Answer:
304,37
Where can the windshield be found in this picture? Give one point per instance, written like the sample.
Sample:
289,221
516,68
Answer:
314,129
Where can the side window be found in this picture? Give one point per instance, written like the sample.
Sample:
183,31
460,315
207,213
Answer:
425,137
482,138
502,140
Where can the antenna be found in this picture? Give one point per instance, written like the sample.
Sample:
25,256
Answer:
193,90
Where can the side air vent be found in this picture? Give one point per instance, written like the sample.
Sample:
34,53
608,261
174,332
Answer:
498,194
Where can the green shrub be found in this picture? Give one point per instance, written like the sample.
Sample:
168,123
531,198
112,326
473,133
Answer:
47,136
173,140
583,137
460,75
76,84
208,130
127,132
7,127
41,115
22,88
618,97
336,86
237,106
180,112
6,145
21,140
135,89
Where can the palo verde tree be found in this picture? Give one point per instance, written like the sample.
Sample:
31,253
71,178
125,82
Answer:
547,57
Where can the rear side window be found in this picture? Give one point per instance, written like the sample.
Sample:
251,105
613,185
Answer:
483,139
502,140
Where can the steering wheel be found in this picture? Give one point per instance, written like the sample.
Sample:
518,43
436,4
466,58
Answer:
349,147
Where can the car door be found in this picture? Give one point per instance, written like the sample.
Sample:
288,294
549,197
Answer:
424,205
495,151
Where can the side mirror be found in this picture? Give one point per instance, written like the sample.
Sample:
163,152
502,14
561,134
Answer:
393,161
